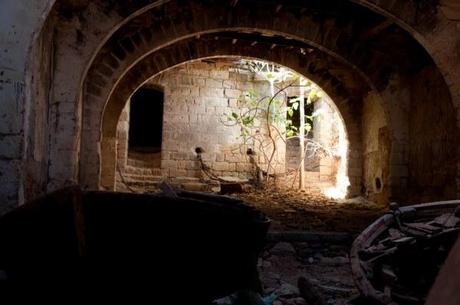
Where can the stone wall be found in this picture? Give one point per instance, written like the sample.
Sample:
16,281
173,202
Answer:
432,149
22,50
320,167
376,150
83,34
197,99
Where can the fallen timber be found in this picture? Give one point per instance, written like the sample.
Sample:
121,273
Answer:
397,258
185,247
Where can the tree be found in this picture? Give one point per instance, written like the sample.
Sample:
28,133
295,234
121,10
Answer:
266,121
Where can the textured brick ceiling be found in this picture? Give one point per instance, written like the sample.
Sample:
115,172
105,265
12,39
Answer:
451,8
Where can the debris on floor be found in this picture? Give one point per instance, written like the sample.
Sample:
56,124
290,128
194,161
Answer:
294,210
301,273
312,273
397,258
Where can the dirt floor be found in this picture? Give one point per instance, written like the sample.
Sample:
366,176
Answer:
294,210
325,265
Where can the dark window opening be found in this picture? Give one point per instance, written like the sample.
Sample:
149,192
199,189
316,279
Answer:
293,145
146,120
309,109
378,184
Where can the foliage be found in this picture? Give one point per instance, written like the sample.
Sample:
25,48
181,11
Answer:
266,121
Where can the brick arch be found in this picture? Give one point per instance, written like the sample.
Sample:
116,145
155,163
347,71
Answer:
347,102
109,22
123,53
439,38
327,36
133,49
103,70
115,21
427,24
128,50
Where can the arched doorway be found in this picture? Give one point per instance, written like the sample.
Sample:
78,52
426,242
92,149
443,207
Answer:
199,95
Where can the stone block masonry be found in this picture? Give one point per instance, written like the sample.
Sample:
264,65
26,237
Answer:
197,99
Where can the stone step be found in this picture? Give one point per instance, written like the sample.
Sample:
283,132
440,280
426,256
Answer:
143,163
144,183
141,171
134,177
181,180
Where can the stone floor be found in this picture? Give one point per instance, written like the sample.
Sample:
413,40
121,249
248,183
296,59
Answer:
325,266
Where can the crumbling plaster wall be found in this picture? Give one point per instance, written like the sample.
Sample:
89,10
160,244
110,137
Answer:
422,147
376,150
20,26
433,145
37,144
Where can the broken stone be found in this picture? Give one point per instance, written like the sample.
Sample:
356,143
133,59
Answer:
282,248
334,261
287,290
295,301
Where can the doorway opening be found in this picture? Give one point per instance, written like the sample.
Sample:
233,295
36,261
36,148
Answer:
146,121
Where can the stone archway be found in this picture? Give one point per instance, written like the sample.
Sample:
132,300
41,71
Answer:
431,37
150,67
185,130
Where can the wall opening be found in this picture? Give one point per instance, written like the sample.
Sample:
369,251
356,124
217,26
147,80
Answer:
293,144
146,121
222,106
140,136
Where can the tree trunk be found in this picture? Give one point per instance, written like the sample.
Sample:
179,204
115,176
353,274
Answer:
302,133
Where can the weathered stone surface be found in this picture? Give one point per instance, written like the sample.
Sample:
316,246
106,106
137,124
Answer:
79,36
283,248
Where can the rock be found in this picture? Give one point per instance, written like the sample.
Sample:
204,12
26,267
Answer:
266,264
308,292
335,261
223,301
287,290
295,301
283,248
259,263
270,280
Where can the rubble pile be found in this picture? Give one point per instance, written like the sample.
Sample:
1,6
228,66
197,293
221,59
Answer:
325,267
397,258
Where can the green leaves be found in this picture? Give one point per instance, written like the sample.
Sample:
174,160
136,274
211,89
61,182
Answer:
247,121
